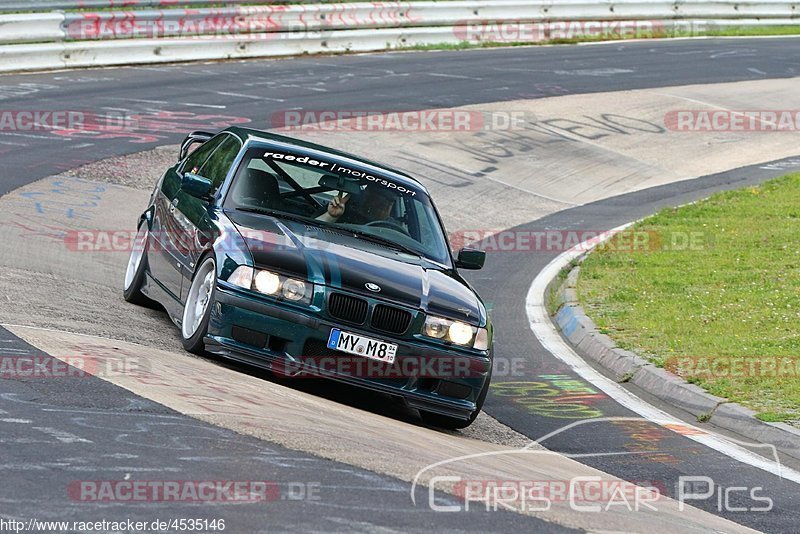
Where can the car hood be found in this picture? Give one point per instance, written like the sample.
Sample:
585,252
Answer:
341,261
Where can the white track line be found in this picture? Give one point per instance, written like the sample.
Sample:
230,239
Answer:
551,340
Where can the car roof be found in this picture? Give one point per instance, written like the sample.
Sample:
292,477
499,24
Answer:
246,134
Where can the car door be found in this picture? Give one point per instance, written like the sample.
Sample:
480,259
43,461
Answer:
164,257
192,215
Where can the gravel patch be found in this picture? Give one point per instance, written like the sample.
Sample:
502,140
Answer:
137,171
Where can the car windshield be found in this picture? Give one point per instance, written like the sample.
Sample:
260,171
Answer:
367,203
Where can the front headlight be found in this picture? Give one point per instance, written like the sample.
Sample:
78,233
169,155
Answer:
294,289
267,282
456,332
436,327
460,333
272,284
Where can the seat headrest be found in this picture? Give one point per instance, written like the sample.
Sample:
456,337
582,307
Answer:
260,186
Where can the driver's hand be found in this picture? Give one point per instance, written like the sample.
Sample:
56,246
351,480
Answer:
336,205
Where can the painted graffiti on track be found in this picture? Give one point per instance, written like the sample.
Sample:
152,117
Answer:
555,395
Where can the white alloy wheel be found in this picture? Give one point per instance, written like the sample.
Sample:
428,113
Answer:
199,298
135,259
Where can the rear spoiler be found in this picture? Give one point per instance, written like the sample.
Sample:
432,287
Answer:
192,138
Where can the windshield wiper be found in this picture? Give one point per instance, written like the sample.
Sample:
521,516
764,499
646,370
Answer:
280,215
372,238
358,234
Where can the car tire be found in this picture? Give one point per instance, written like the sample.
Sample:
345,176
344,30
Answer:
197,309
135,272
453,423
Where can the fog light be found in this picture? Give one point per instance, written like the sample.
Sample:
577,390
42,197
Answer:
453,389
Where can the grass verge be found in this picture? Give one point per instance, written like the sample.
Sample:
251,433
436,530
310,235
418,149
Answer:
714,296
728,31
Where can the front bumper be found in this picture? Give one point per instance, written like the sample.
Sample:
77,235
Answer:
292,341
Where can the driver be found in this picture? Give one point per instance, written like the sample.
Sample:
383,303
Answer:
374,204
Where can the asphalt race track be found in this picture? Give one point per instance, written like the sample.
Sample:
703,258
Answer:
124,428
674,455
399,81
131,435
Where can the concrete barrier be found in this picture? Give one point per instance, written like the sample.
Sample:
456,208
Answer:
31,27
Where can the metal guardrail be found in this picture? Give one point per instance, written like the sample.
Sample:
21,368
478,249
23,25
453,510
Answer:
250,20
13,6
245,20
146,36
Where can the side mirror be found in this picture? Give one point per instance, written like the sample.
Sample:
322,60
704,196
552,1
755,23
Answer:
195,185
191,139
470,258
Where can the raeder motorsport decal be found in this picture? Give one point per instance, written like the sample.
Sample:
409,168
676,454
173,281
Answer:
339,169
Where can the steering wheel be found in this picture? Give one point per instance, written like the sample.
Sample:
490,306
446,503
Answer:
390,225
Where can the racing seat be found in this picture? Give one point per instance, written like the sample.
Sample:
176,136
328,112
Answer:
258,189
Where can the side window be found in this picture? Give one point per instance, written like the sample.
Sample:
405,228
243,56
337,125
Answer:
201,154
216,167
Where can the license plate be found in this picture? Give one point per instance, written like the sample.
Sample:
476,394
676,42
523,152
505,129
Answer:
362,346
